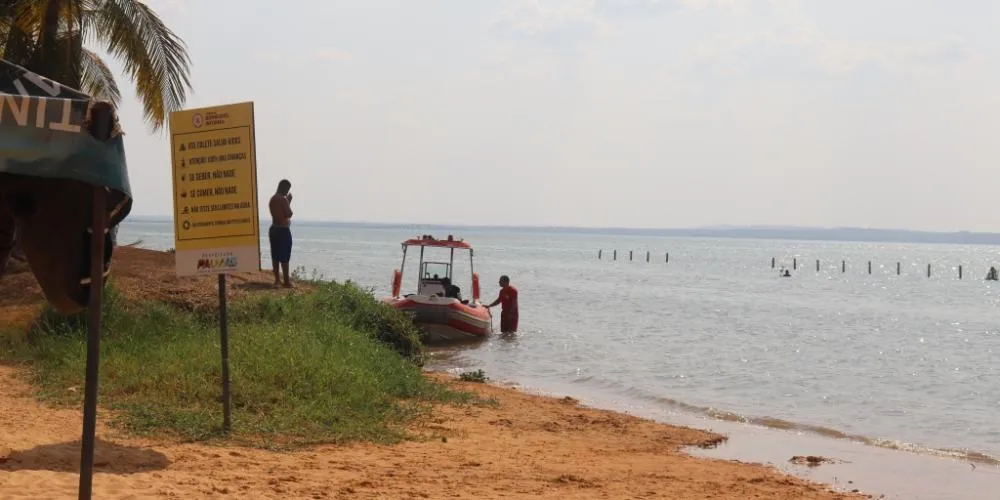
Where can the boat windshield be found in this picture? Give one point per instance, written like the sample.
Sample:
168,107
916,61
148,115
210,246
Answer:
436,270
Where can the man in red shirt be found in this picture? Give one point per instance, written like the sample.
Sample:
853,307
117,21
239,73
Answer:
508,301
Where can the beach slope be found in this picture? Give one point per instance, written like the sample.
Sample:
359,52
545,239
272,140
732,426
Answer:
524,446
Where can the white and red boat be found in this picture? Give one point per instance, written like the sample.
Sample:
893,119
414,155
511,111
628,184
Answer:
437,306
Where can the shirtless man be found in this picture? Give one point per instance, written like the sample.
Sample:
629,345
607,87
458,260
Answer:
280,233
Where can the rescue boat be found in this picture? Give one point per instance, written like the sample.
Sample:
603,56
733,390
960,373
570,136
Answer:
436,306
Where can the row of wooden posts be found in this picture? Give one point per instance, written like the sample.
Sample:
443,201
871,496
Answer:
843,267
774,262
614,255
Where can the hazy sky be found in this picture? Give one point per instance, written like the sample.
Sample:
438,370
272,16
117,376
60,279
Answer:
638,113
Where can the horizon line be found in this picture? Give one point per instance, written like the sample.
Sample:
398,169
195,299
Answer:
716,227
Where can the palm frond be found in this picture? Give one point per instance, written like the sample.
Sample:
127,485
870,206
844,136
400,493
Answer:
154,58
8,17
8,8
29,15
97,79
18,46
22,21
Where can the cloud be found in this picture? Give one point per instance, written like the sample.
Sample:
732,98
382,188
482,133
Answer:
841,58
275,56
644,8
162,6
568,26
635,8
774,41
268,56
563,26
731,6
797,50
331,55
948,50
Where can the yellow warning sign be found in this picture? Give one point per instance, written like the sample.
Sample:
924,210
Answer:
216,226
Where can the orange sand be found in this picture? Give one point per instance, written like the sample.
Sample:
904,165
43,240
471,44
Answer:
527,447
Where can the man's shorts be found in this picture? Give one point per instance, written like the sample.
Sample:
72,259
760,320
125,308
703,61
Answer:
508,321
281,243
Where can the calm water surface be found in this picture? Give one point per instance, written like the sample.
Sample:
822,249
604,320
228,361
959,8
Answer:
905,361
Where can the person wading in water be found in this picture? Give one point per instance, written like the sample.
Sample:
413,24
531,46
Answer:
280,233
508,301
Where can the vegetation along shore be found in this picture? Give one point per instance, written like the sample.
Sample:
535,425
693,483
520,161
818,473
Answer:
329,401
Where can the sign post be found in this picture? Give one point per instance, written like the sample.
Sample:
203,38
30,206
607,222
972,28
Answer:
89,439
216,223
103,118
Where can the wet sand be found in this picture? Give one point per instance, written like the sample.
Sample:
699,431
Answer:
894,474
527,447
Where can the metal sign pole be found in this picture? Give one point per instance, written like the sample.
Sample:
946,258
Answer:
97,227
227,423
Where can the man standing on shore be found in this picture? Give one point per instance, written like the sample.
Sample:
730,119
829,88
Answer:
508,301
280,233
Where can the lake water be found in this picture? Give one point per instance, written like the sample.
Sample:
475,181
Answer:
892,360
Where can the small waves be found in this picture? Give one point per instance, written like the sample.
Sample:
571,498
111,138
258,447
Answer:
452,360
782,424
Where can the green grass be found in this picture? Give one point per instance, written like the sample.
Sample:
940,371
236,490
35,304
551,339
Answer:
328,365
477,376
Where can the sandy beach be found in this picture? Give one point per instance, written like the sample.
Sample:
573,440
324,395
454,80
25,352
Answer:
527,446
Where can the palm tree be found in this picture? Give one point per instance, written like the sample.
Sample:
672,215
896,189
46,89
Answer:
48,37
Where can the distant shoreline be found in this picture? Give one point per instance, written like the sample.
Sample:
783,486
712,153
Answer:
840,234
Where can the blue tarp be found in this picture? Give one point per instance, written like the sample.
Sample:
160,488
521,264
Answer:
43,133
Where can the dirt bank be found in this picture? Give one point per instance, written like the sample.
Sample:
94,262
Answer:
137,273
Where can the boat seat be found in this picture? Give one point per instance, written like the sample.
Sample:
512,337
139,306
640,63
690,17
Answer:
431,288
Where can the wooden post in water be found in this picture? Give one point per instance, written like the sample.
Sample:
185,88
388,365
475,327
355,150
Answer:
666,259
843,266
647,255
795,263
899,268
817,265
598,254
772,262
928,270
630,256
869,267
615,256
960,271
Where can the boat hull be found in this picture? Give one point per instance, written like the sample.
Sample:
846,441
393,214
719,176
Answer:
446,319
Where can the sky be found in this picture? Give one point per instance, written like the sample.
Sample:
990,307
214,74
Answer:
602,113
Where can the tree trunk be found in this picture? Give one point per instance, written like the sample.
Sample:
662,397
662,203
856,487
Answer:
56,54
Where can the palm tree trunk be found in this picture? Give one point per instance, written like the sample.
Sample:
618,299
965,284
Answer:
54,60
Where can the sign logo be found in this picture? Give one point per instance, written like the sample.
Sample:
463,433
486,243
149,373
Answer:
217,263
197,120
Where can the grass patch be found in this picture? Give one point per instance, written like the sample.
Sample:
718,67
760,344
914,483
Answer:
330,365
478,376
